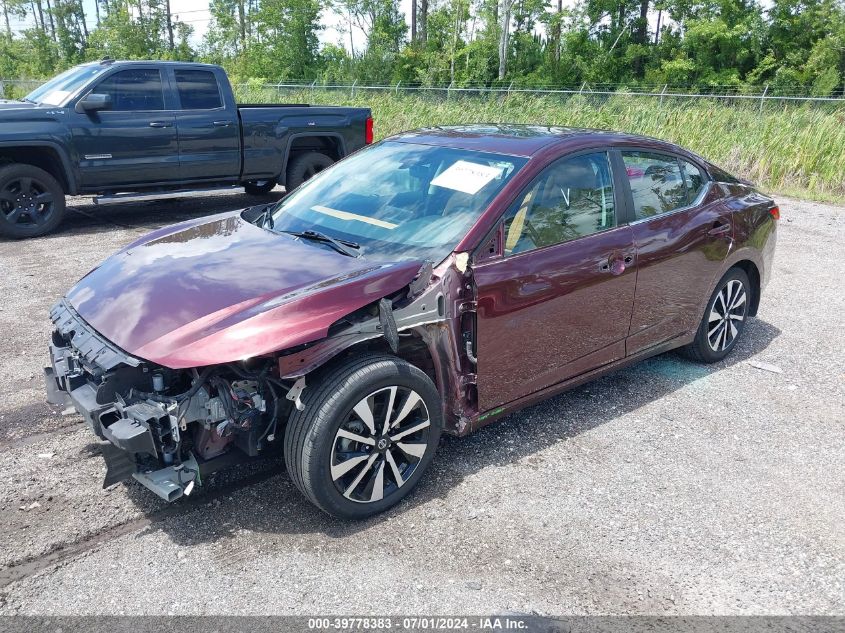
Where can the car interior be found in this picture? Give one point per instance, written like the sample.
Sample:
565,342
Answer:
571,199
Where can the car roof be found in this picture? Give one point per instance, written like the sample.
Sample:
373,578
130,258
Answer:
522,139
147,62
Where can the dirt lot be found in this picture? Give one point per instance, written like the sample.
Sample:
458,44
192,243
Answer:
666,488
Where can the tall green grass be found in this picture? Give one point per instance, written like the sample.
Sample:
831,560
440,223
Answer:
792,149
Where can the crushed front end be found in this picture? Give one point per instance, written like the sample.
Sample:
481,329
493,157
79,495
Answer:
166,428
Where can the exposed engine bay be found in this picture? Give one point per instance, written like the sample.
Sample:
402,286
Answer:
169,428
166,428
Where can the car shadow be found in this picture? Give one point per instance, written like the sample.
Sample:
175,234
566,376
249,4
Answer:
275,506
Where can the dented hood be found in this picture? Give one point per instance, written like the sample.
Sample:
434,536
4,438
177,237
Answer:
220,289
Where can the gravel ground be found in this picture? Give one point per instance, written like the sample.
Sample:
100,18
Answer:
665,488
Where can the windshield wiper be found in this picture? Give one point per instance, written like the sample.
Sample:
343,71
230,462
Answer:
341,246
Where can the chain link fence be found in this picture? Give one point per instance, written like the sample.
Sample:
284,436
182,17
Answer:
17,88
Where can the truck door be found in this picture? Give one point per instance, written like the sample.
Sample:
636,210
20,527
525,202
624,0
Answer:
209,131
133,142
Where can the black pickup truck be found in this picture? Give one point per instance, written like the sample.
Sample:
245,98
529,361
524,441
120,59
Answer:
119,129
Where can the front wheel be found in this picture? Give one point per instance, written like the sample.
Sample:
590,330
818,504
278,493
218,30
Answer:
724,319
32,202
368,432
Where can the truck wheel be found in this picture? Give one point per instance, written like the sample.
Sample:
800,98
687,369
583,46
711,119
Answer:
259,187
365,437
304,166
32,202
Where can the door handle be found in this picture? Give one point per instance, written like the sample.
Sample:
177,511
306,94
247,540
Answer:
615,265
222,123
160,124
719,229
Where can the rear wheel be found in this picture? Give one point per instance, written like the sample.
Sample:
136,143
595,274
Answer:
32,202
259,187
724,319
367,434
305,166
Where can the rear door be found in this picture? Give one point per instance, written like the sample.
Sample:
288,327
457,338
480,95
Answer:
683,233
135,141
209,131
558,302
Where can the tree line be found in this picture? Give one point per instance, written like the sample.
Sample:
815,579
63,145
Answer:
790,46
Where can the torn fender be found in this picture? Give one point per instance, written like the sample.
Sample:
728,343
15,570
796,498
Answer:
433,315
429,307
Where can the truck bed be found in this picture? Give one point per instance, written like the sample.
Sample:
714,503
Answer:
272,132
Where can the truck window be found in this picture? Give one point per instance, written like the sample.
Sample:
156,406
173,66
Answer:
134,89
198,90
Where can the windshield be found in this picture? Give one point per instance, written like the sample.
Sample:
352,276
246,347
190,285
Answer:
399,200
58,89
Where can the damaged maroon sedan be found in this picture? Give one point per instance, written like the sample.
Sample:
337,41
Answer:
430,283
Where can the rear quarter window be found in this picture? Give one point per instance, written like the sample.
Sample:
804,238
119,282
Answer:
657,185
694,179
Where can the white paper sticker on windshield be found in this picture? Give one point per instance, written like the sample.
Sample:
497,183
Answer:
467,177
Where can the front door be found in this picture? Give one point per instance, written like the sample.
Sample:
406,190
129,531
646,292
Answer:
558,302
135,141
683,233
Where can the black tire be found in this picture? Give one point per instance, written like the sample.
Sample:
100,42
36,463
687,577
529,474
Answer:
312,440
259,187
32,202
715,338
304,166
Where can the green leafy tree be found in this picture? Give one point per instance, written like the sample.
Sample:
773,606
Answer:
287,44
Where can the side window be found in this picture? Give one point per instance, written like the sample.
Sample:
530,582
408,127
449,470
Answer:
694,180
198,90
570,199
656,183
135,89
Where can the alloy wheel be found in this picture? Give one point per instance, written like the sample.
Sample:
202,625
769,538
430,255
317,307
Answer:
727,315
380,444
26,202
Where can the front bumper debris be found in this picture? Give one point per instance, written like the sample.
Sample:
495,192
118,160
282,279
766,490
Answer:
83,366
171,482
55,394
79,358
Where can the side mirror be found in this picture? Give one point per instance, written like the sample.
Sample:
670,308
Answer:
93,102
491,249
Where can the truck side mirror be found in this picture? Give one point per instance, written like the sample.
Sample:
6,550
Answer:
94,102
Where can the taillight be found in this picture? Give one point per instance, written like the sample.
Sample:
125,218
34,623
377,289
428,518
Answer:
368,131
775,211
